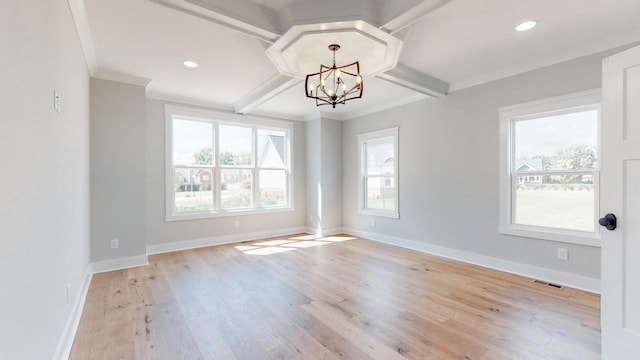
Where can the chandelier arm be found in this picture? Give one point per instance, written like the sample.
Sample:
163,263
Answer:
349,73
325,92
355,88
325,102
327,76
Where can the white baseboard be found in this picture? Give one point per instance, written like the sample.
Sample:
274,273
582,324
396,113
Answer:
119,264
220,240
549,275
69,334
324,232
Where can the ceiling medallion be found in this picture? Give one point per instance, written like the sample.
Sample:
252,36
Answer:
336,84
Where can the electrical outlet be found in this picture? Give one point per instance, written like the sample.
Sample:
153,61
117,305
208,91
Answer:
68,293
236,223
373,222
563,254
114,243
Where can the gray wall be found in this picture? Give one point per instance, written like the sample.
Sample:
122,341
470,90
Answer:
44,187
314,146
449,168
331,176
118,183
158,231
324,174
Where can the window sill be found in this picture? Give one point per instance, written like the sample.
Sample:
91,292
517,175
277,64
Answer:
570,237
226,213
386,214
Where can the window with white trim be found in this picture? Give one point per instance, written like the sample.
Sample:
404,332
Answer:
378,173
550,170
218,164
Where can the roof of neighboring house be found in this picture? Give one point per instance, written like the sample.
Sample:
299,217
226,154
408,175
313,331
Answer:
278,144
528,164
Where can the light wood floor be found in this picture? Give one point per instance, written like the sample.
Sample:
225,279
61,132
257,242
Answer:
340,297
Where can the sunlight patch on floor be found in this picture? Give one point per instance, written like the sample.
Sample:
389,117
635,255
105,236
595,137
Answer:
276,246
304,237
267,250
273,242
306,244
338,238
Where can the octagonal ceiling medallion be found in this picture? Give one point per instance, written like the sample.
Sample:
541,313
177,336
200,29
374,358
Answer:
303,48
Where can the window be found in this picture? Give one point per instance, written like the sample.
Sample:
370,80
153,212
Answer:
218,164
550,170
378,168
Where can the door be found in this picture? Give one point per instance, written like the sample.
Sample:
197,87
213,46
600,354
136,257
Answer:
620,196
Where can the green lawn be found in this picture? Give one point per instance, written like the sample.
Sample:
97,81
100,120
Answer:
198,201
565,209
385,204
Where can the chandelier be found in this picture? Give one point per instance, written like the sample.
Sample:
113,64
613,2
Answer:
336,84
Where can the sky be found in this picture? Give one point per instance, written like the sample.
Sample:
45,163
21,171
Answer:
188,138
546,135
191,136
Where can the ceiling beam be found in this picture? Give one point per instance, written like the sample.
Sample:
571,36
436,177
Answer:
239,15
398,15
411,79
265,92
327,11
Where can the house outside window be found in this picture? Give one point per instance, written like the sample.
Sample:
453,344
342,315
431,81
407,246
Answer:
218,164
550,169
378,173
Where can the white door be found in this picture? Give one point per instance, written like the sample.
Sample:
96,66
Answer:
620,195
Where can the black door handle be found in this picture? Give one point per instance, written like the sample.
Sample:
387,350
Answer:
609,221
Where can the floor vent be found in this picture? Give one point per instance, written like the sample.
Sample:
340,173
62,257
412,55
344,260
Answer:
548,284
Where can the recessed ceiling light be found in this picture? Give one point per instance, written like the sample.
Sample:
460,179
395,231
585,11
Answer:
527,25
189,63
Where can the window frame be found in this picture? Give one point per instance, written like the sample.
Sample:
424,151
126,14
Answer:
217,118
362,172
530,110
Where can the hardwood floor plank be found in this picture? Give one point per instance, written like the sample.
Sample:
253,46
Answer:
337,320
93,320
340,297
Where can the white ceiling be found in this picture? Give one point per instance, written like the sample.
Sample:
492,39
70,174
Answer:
459,43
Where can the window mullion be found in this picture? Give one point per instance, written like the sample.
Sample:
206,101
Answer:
217,198
554,172
254,173
514,189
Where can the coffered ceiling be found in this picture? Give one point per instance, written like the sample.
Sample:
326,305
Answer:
252,54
